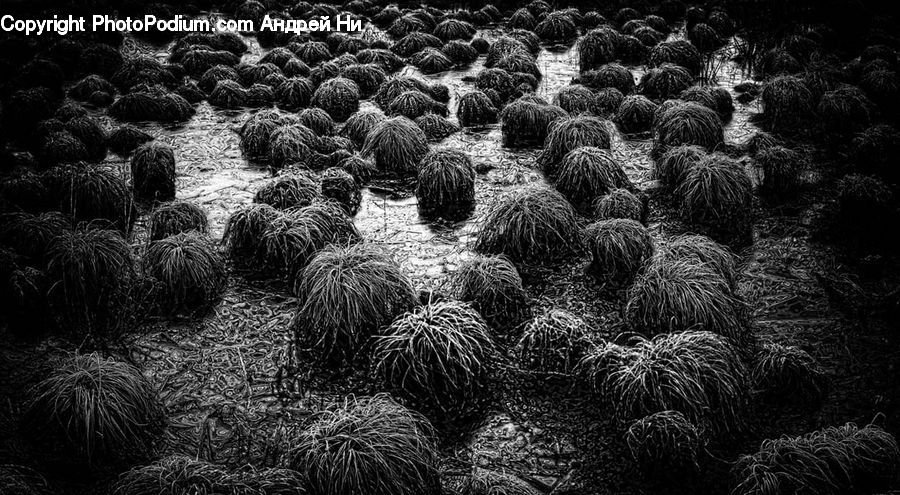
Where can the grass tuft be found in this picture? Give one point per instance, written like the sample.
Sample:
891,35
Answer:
553,342
587,173
665,444
446,184
397,144
568,134
619,247
190,271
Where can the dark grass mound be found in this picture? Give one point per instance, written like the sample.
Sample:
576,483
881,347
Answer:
208,81
190,92
397,144
821,77
229,94
506,45
533,225
688,124
219,41
666,81
311,52
717,195
488,482
446,185
244,231
358,126
393,87
289,144
759,141
781,169
460,53
91,192
198,61
705,38
521,19
491,284
587,173
575,99
256,133
151,104
125,139
361,169
648,36
673,294
439,355
631,50
883,87
431,61
260,96
386,59
568,134
597,47
25,108
786,373
58,147
341,186
142,70
786,104
665,445
678,52
698,374
435,127
414,104
190,272
29,235
864,203
177,217
24,306
454,29
293,93
414,43
495,79
256,73
345,295
845,459
621,203
717,99
100,58
619,247
93,411
289,190
368,445
553,343
23,190
178,474
368,77
702,250
607,101
317,120
556,27
22,480
844,111
153,172
527,121
635,114
85,88
874,149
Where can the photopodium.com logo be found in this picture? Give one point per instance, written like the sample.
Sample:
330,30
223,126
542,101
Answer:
72,24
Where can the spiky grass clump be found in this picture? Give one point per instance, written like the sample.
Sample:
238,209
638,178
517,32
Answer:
360,124
621,203
341,186
311,52
431,61
587,173
509,44
635,114
436,127
487,482
863,200
125,139
556,27
153,171
338,96
142,69
697,373
177,217
208,81
786,103
256,133
93,410
229,94
289,190
883,87
620,248
845,110
397,144
30,235
665,444
22,480
317,120
454,29
705,251
438,354
460,53
153,104
607,101
386,59
705,38
568,134
491,284
781,170
294,93
521,19
787,373
189,269
674,294
553,342
666,81
874,149
535,224
245,228
518,62
91,192
290,144
368,445
368,77
476,109
414,104
691,124
415,42
575,99
495,79
759,141
678,52
527,121
597,47
845,459
83,89
345,295
59,147
717,194
446,184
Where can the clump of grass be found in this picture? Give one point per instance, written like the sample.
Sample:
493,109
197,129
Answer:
575,99
438,354
386,59
535,224
760,141
22,480
521,19
845,110
786,373
673,294
665,444
229,94
431,61
24,303
704,250
368,445
597,47
290,144
345,295
153,171
527,121
666,81
189,269
460,53
697,373
92,192
177,217
92,136
781,168
311,52
621,203
29,235
678,52
607,101
556,27
256,133
338,96
358,126
341,186
705,38
208,81
476,109
553,342
397,144
587,173
368,77
688,124
415,42
717,194
317,120
635,114
844,459
153,103
506,45
90,84
58,147
882,87
786,103
492,285
620,248
125,139
874,148
93,411
436,127
244,231
496,79
487,482
568,134
289,190
293,93
142,70
414,104
446,184
519,63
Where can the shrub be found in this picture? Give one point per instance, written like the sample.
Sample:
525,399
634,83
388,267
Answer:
635,114
125,139
311,52
454,29
717,194
289,190
386,59
397,144
60,147
244,231
368,445
446,184
587,173
527,120
845,110
833,460
759,141
91,192
339,97
289,144
177,217
317,120
703,250
575,99
153,103
553,342
22,480
666,81
459,52
345,295
368,77
621,203
414,104
786,103
689,124
491,284
438,354
619,247
665,444
435,127
518,62
786,373
190,271
211,78
607,101
781,170
83,89
256,132
153,171
696,373
882,86
521,19
294,93
597,47
678,52
94,411
556,27
431,61
30,235
358,126
142,70
487,482
496,79
534,224
874,148
568,134
476,109
705,38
